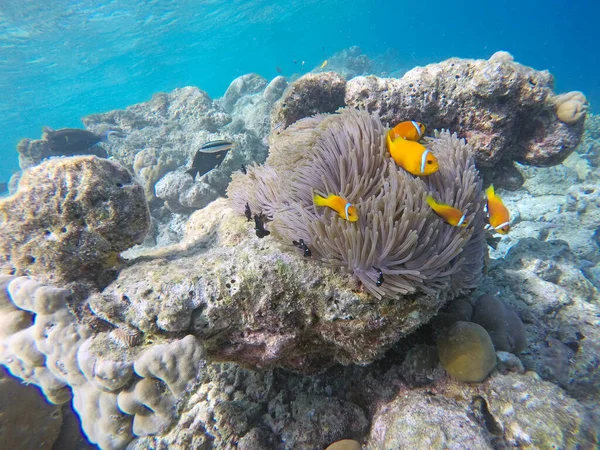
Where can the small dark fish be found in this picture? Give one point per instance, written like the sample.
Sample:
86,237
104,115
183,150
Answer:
248,213
73,141
380,278
492,240
259,226
302,246
210,156
243,169
278,69
3,188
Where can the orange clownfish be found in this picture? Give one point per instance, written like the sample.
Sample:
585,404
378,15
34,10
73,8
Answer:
410,130
339,204
498,214
450,214
412,156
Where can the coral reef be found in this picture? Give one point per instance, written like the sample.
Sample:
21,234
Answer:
345,154
451,95
253,301
158,137
511,410
309,95
134,364
117,393
70,219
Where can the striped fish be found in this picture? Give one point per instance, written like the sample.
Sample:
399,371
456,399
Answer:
210,156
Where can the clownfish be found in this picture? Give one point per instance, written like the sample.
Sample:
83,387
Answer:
339,204
450,214
412,156
498,214
410,130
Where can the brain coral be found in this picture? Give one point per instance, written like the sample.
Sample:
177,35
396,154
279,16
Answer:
345,154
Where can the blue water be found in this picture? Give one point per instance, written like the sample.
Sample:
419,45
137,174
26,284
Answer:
62,60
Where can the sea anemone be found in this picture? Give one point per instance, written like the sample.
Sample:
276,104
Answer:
345,154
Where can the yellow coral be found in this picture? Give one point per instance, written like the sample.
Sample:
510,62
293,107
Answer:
570,107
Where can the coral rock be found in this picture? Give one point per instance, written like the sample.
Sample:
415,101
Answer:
570,107
415,421
250,83
70,219
309,95
454,94
34,151
502,324
466,352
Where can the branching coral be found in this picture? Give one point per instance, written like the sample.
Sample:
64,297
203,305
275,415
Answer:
345,154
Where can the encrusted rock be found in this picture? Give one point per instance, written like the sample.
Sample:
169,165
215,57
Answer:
308,95
70,219
165,133
419,422
250,83
504,110
275,89
254,302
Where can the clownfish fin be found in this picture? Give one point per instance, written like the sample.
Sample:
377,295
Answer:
490,191
319,200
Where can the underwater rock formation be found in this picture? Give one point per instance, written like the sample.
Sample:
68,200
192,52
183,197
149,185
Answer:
559,307
118,392
163,135
521,123
244,85
517,410
259,303
125,396
308,95
69,220
252,301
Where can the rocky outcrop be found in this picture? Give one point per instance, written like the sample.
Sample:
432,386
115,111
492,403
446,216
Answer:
69,220
247,299
505,110
310,94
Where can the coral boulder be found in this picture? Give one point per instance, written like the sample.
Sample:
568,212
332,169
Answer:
70,218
